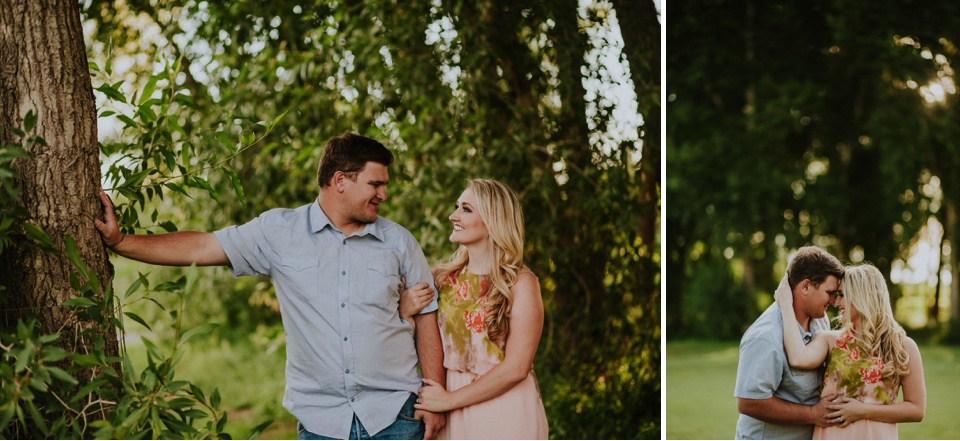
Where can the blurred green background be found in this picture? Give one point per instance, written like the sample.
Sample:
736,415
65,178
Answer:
827,123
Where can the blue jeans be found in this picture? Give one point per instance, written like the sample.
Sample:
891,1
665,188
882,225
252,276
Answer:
405,427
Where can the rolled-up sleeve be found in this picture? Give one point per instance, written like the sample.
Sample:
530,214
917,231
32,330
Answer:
415,269
247,248
759,370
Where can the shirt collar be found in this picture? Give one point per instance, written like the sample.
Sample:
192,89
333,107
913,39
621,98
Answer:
806,336
319,221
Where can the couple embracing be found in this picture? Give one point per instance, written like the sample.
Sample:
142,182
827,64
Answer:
798,379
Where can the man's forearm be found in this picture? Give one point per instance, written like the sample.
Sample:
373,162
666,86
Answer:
776,411
430,348
181,248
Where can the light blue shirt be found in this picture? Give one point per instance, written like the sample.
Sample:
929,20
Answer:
763,372
348,352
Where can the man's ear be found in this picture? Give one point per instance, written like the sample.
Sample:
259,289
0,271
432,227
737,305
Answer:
805,286
337,180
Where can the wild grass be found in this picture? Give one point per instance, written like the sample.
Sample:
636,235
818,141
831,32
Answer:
250,379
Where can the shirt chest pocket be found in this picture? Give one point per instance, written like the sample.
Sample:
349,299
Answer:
382,281
805,383
301,275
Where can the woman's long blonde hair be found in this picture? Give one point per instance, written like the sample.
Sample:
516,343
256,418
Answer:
500,211
865,289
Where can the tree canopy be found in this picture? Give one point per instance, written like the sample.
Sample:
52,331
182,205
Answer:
821,123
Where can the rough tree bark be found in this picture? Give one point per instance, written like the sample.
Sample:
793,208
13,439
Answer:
43,69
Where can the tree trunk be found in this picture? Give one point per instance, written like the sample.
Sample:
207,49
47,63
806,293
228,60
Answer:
950,230
640,27
44,70
934,311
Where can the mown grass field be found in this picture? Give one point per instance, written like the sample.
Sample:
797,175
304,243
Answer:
700,378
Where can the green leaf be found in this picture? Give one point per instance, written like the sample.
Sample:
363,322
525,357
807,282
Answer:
138,319
238,187
153,349
9,409
37,234
72,253
215,402
62,375
85,360
168,226
196,414
177,386
29,121
176,188
148,89
198,331
224,139
137,178
79,302
276,120
38,419
222,422
127,121
48,338
112,92
202,183
86,390
53,353
134,287
256,431
197,392
24,357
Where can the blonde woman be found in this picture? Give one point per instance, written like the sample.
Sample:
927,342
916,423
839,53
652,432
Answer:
869,359
491,318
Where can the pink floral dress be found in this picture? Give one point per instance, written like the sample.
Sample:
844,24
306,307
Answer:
853,373
469,353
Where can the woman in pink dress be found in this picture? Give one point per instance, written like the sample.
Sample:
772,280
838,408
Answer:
869,359
491,318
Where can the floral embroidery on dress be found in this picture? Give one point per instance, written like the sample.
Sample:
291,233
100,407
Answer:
474,320
858,375
463,291
463,308
872,375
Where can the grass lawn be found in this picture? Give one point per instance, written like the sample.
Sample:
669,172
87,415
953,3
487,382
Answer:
700,378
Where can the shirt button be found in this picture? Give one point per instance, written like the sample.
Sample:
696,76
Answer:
343,273
344,241
343,305
347,371
345,339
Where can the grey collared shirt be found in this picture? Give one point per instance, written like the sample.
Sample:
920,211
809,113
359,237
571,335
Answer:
763,372
348,352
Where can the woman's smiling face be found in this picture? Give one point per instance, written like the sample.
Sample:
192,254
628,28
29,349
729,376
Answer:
468,227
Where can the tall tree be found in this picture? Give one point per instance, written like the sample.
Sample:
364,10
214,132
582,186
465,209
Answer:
45,74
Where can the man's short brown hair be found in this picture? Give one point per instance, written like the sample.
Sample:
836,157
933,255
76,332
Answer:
815,264
349,153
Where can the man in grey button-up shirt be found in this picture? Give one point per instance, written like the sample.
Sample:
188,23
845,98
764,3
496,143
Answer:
336,265
776,401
